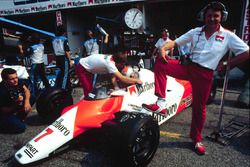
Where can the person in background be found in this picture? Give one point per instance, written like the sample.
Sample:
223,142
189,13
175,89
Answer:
92,45
160,42
36,52
102,64
210,43
15,102
149,48
63,59
24,43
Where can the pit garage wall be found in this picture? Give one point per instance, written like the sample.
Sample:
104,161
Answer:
180,16
177,15
80,20
75,33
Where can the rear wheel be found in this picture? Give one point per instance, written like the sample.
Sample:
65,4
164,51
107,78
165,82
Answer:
51,102
74,80
136,138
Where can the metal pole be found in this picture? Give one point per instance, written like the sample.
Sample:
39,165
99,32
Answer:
224,90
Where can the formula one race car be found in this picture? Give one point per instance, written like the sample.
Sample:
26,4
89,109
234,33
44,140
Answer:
128,129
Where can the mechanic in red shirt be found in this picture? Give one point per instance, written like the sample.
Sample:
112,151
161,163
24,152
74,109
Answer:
102,64
209,44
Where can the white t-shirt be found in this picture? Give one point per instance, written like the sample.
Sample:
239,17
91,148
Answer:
208,52
99,64
37,53
161,42
91,46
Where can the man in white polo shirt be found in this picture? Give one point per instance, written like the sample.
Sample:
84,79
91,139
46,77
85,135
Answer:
208,45
102,64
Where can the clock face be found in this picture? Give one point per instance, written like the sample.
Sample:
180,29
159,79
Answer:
133,18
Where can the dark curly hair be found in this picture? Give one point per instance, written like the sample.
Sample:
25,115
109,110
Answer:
6,72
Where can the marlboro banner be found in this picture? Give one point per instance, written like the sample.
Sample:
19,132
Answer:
16,7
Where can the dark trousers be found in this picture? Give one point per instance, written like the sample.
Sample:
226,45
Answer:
62,80
38,70
14,123
11,124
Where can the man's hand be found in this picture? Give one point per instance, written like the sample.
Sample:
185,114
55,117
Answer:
169,45
71,64
138,81
27,107
221,68
164,57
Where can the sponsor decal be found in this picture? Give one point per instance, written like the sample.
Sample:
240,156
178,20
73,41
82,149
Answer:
30,150
58,124
52,82
140,88
105,1
132,89
219,38
159,117
187,100
171,110
26,6
135,107
144,87
246,27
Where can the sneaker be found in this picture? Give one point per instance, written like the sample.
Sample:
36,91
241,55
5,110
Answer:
200,148
154,108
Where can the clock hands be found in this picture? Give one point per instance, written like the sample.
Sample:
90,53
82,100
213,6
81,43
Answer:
135,16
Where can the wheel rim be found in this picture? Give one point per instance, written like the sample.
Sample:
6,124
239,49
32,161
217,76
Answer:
145,144
74,80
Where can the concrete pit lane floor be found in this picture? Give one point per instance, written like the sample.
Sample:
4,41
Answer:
175,148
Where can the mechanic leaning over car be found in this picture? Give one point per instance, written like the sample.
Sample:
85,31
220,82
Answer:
15,102
102,64
62,53
209,44
36,52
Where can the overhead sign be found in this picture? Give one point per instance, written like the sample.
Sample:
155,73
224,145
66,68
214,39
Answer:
16,7
246,27
58,18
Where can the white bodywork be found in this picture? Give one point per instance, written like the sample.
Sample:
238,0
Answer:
133,98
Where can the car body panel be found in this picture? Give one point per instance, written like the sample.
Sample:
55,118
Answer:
91,113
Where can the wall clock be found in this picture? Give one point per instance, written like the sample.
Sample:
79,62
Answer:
133,18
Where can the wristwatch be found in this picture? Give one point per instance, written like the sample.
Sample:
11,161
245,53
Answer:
225,63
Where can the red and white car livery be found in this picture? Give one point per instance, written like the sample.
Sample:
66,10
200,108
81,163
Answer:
91,112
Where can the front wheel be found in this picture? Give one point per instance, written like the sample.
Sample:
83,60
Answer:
137,138
51,102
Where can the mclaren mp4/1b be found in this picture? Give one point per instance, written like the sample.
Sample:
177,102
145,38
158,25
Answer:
118,115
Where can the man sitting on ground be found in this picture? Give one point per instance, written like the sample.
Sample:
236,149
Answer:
14,102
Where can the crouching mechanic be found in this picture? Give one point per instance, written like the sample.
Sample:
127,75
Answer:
15,102
209,44
102,64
